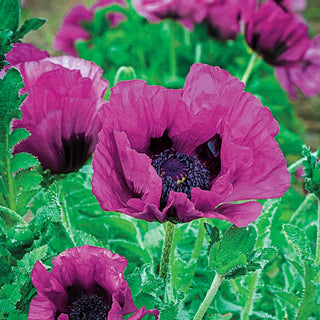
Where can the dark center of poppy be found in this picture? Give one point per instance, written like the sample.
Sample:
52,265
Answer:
75,151
89,307
180,173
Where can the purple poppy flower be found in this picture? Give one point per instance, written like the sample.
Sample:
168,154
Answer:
278,36
292,5
186,12
304,75
184,154
71,28
61,111
85,283
224,17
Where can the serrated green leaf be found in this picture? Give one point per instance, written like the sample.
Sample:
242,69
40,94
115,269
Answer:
10,99
81,238
11,293
6,306
27,262
297,238
22,161
16,136
233,249
10,14
17,315
10,217
27,180
28,25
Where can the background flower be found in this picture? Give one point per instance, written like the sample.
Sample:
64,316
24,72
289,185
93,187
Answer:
184,154
186,12
61,111
304,75
277,35
71,28
85,282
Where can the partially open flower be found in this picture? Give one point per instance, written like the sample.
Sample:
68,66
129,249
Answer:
186,12
184,154
277,35
85,283
71,28
61,111
304,75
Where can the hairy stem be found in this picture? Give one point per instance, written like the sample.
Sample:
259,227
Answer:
303,206
173,58
166,249
209,296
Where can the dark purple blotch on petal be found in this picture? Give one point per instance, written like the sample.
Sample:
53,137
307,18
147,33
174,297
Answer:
158,145
75,151
209,154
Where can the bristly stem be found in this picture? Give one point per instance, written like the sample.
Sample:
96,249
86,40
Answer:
166,249
299,163
303,206
318,235
249,69
209,296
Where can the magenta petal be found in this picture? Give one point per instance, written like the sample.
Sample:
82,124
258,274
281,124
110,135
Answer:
140,187
239,214
42,308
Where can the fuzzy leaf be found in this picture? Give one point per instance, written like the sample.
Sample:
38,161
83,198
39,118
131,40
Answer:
297,238
28,25
6,306
27,180
23,160
27,262
11,293
10,14
16,136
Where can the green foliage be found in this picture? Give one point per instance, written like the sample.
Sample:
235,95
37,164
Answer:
312,171
10,14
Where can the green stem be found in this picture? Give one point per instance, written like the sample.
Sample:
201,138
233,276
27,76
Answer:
66,220
303,206
299,163
166,249
252,286
196,253
198,53
209,296
249,69
12,198
318,235
173,58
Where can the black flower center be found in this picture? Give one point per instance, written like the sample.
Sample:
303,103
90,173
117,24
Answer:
75,152
89,307
180,173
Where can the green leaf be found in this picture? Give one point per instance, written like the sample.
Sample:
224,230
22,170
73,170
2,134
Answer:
28,25
231,253
27,262
11,293
6,306
16,136
10,14
297,238
10,99
23,160
17,315
10,217
27,180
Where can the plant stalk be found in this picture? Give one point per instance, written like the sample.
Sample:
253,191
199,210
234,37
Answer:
209,296
318,235
249,69
166,250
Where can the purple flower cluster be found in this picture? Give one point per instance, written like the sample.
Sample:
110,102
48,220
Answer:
85,283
